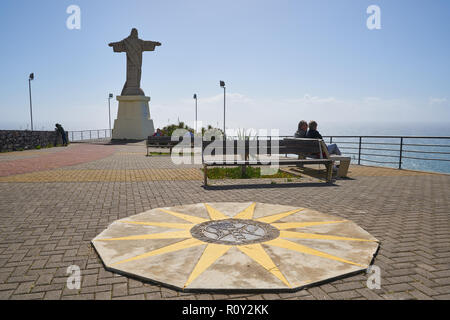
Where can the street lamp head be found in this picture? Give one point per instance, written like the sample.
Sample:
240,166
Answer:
111,95
31,76
195,96
222,84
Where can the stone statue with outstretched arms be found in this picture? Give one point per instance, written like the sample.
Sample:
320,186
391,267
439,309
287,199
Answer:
134,47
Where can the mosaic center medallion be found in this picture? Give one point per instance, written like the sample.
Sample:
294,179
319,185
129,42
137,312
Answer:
234,232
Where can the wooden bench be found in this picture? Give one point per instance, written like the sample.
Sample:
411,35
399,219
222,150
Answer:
344,162
160,142
257,148
169,142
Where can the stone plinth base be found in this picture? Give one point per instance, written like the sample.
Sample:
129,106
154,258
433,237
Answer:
133,118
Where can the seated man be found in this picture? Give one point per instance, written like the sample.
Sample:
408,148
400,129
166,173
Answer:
314,134
302,129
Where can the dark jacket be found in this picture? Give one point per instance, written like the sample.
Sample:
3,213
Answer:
313,134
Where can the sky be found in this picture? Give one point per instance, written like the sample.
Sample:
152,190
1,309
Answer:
282,61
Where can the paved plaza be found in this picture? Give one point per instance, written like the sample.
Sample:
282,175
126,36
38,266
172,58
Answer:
54,202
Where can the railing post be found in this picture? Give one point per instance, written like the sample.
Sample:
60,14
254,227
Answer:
331,140
359,152
81,135
90,134
401,154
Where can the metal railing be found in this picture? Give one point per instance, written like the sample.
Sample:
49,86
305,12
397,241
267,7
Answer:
393,150
402,152
86,135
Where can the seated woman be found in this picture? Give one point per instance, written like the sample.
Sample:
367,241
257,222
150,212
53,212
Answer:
302,129
314,134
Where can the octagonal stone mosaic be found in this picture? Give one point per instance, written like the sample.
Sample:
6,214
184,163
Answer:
235,246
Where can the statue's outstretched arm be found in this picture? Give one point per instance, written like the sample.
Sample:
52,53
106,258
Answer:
150,45
118,46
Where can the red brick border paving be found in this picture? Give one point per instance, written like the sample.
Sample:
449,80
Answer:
73,155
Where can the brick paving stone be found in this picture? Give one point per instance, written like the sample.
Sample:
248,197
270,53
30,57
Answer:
424,289
369,294
350,286
48,226
153,296
6,294
53,295
24,287
44,279
120,289
89,296
204,296
29,296
105,295
132,297
345,295
419,295
8,286
398,296
271,296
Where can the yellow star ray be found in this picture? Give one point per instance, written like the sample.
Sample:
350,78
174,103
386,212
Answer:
293,225
210,255
278,216
215,214
166,235
257,253
301,235
162,224
247,213
188,243
286,244
185,216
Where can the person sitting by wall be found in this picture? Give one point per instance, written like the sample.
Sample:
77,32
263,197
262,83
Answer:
61,131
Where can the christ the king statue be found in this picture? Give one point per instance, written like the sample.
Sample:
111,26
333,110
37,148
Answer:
134,47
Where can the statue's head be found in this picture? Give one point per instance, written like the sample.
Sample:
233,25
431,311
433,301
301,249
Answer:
134,33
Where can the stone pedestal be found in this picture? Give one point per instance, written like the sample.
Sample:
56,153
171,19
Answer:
133,118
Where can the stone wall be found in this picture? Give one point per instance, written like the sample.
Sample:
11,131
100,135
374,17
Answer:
13,140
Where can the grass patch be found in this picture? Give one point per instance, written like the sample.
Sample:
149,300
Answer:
250,173
159,154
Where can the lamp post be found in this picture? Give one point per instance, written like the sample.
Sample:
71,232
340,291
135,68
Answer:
195,97
222,84
31,77
109,110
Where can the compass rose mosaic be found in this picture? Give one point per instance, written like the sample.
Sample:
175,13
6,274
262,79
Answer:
235,246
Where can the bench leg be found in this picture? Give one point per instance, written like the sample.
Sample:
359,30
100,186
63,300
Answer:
205,175
329,172
343,168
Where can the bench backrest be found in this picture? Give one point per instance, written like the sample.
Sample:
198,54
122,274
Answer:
163,140
254,147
